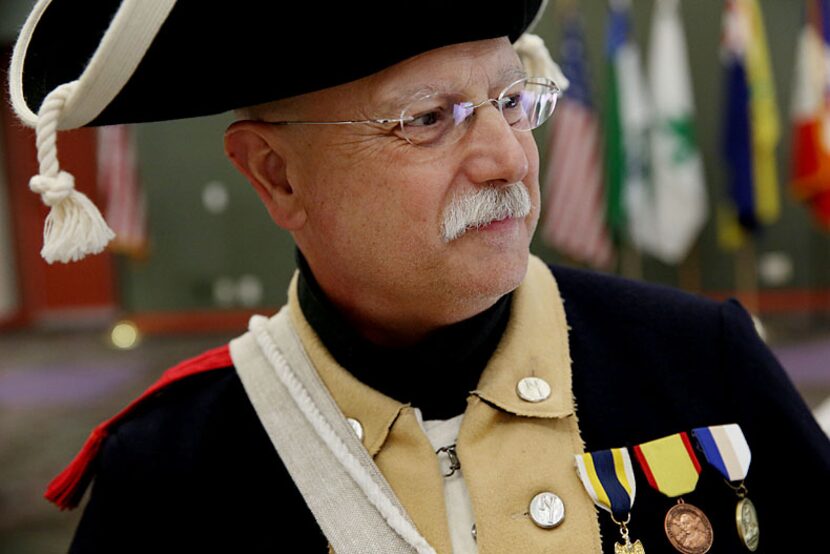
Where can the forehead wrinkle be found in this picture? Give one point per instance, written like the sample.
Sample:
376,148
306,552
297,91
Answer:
512,73
400,98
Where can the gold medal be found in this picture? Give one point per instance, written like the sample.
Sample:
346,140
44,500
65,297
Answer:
746,518
726,449
627,547
688,529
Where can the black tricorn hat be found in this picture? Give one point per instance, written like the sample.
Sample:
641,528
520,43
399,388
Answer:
130,61
193,57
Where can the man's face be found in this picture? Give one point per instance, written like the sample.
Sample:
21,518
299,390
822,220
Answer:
375,203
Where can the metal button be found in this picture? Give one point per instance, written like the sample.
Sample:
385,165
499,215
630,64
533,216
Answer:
473,531
356,427
533,389
547,510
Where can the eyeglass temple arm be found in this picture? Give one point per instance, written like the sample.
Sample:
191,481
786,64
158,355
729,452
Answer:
381,121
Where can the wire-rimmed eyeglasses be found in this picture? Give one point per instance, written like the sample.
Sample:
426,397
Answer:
437,119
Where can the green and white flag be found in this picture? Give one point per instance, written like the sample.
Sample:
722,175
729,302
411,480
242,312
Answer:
628,120
678,201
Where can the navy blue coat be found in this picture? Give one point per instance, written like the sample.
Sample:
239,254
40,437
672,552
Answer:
194,471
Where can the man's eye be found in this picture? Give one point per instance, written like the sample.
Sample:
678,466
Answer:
425,119
512,101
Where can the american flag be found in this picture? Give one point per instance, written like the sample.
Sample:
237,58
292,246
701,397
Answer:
574,206
120,187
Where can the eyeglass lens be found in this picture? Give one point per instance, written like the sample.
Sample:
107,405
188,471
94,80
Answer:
440,119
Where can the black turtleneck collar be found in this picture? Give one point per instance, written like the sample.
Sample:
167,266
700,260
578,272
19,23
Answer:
435,375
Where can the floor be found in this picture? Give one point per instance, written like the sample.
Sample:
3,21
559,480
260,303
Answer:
56,386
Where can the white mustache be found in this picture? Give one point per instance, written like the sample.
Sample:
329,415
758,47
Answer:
484,206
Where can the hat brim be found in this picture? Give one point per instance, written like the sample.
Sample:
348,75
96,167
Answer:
211,57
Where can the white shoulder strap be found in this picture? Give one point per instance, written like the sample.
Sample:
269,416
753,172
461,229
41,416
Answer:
349,497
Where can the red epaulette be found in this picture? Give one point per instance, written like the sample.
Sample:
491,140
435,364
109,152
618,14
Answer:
67,489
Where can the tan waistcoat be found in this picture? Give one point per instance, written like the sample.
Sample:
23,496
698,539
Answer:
509,449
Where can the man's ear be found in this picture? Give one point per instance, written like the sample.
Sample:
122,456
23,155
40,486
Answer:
261,160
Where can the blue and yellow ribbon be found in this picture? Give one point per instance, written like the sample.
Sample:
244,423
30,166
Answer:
608,477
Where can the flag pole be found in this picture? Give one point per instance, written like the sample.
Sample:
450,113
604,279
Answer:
746,276
690,271
631,261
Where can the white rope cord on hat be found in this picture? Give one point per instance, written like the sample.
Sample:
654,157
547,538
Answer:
537,60
74,226
300,395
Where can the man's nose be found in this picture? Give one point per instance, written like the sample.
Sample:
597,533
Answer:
493,149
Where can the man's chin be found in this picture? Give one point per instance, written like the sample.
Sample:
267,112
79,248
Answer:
497,274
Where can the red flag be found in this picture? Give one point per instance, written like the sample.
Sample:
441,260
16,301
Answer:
811,114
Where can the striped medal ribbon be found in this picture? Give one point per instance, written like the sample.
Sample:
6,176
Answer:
608,477
671,467
726,449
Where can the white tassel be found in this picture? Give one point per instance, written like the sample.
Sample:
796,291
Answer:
74,227
537,61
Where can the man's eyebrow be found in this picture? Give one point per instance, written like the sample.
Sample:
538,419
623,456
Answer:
399,99
511,74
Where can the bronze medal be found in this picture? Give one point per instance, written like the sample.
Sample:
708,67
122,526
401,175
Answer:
688,529
746,519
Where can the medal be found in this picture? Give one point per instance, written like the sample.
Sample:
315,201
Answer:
608,478
688,529
726,449
671,467
746,519
627,547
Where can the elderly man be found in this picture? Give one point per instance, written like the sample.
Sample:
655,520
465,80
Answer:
407,227
429,385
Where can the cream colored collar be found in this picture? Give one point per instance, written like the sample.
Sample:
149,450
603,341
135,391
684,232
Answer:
531,346
534,345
